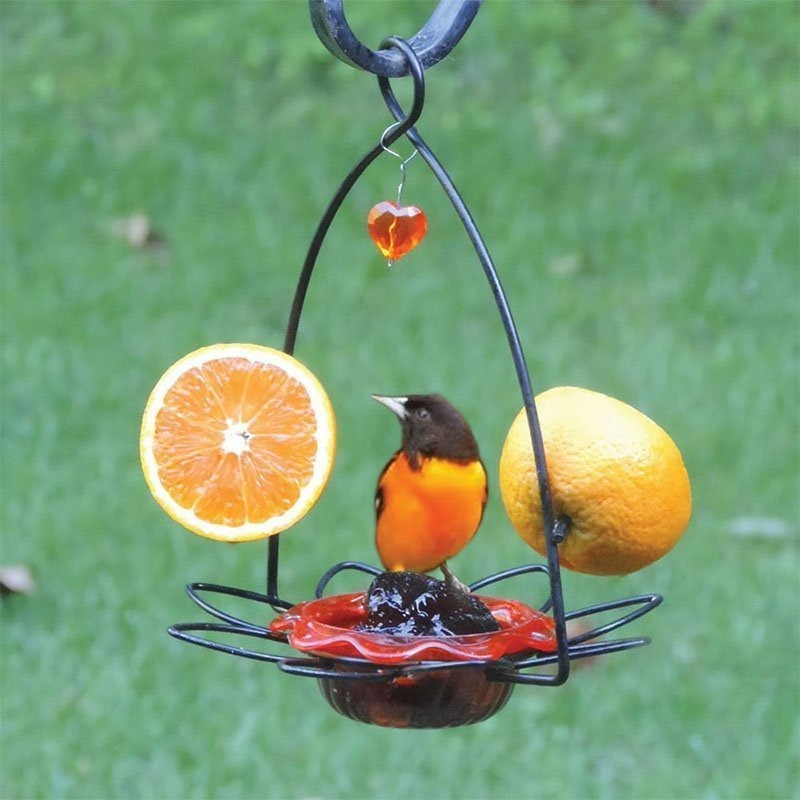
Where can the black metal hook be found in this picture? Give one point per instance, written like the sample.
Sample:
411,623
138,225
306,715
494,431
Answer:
440,34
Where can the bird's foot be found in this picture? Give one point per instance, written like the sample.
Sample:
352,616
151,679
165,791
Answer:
451,581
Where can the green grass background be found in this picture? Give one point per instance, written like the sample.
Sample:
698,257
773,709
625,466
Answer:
635,173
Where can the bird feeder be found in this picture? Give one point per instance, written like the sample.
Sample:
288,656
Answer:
396,681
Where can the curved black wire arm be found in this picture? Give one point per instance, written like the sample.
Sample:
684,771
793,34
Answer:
386,140
405,126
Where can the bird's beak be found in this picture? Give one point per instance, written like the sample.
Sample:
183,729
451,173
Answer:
395,404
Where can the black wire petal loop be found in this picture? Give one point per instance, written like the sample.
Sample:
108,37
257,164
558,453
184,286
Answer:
507,670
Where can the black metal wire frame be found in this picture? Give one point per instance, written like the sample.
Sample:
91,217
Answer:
582,644
578,646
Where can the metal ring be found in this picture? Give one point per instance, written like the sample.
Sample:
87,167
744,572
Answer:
440,34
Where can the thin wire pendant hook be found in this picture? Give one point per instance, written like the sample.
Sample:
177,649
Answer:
403,161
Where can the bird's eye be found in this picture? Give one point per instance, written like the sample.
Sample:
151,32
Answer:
422,414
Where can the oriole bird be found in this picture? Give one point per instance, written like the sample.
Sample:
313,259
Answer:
432,493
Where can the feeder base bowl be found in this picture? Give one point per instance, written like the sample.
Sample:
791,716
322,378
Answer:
441,698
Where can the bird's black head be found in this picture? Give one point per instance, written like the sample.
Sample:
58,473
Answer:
432,426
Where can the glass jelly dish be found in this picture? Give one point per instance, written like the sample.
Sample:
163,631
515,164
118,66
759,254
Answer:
440,696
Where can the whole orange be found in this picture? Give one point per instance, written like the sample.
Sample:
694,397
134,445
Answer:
617,479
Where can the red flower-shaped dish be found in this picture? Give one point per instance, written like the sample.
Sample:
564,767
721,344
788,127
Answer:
328,627
420,698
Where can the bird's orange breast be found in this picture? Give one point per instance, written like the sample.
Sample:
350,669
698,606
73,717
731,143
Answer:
429,514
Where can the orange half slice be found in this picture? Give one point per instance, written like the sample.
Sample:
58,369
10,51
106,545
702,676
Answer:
237,441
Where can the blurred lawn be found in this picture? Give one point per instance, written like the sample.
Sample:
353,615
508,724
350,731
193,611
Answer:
636,176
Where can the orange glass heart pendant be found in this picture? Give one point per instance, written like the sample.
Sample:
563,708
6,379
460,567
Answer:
396,229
